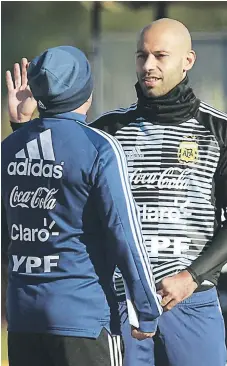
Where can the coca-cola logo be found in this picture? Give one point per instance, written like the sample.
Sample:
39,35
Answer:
42,198
171,178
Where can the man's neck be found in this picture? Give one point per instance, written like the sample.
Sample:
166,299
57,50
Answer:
178,105
81,110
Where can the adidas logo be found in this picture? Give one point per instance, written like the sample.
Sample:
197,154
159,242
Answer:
41,105
135,153
38,149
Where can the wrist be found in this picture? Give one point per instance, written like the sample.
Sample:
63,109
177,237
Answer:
193,275
21,121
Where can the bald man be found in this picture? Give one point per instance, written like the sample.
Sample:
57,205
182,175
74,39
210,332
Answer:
176,148
164,55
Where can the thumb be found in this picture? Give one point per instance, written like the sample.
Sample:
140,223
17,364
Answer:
160,292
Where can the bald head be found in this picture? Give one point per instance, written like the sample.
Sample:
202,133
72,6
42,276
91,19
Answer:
170,29
163,53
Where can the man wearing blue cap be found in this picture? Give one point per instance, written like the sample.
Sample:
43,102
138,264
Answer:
68,219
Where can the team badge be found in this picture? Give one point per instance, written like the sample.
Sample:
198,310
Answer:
188,150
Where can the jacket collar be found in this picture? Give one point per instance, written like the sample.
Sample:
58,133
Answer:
71,116
179,105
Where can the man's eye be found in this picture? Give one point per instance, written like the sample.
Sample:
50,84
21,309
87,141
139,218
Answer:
161,55
141,56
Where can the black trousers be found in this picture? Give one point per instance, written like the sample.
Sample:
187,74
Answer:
32,349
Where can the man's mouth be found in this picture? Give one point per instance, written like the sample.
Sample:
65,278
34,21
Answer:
151,81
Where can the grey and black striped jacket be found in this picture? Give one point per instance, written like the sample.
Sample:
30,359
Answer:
178,175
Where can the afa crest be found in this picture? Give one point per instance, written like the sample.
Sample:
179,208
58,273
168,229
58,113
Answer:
188,150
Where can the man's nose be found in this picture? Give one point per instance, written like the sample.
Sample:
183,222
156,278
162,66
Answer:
150,63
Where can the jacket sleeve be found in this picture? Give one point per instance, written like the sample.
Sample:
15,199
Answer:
120,217
16,125
4,235
210,263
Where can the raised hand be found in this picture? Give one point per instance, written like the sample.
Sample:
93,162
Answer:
21,104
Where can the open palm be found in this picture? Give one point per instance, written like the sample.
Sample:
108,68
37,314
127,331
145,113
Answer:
21,103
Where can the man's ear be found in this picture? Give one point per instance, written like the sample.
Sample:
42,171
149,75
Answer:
190,60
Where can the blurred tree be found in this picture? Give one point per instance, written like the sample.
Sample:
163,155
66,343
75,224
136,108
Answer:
161,7
29,27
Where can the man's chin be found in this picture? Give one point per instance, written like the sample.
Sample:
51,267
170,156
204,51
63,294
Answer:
151,92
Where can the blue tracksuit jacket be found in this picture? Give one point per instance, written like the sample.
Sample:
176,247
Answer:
68,219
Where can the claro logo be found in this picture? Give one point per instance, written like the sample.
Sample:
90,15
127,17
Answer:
40,149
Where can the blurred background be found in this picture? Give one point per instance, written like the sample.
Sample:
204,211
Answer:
107,31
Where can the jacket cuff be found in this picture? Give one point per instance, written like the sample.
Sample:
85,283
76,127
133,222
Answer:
16,125
148,326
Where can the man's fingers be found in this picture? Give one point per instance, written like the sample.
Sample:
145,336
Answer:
141,335
17,76
170,305
24,78
138,335
166,299
9,81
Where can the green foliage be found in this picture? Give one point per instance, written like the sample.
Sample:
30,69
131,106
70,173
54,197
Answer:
200,16
29,27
